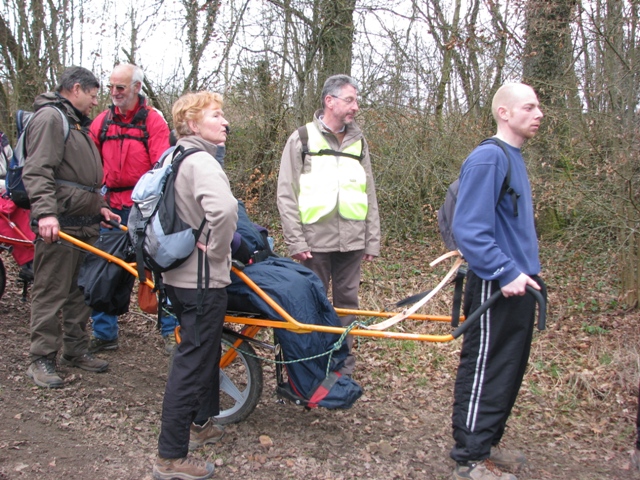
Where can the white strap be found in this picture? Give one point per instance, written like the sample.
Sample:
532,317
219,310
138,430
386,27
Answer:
409,311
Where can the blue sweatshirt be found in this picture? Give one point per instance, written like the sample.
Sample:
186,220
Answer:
496,244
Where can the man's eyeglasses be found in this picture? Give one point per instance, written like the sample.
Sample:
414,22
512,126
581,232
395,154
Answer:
119,88
348,100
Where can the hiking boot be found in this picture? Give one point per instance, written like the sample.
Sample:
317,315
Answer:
43,373
169,343
484,470
210,432
86,362
507,459
182,468
97,345
635,459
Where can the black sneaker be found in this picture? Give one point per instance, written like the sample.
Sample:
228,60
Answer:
97,345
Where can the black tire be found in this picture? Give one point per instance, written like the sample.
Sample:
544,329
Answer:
240,383
3,278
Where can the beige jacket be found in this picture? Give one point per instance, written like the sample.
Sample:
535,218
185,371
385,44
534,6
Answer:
332,233
202,190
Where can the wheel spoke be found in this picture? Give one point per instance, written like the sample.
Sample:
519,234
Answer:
228,387
240,383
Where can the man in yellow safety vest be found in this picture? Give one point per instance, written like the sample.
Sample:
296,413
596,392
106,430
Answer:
327,197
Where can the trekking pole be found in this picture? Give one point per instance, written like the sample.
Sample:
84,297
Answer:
542,311
14,227
115,224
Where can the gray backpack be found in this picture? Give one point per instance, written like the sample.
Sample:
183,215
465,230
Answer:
162,240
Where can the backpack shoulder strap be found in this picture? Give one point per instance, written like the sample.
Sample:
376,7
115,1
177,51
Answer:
304,139
140,118
180,154
66,128
21,123
506,184
23,118
106,121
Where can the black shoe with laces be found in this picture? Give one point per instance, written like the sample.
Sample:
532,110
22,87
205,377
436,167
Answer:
97,345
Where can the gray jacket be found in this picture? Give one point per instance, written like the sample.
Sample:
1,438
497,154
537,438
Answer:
332,233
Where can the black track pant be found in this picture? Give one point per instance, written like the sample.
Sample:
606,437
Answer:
193,383
494,356
638,422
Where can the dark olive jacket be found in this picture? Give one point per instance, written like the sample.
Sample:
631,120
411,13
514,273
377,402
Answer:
49,158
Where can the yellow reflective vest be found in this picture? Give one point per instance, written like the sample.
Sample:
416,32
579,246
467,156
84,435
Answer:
332,179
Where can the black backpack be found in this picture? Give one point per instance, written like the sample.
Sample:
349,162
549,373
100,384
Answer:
445,213
106,285
138,122
15,187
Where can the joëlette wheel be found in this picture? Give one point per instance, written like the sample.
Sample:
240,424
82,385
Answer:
240,383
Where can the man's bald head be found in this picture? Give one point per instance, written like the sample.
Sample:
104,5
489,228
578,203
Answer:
516,110
508,95
125,84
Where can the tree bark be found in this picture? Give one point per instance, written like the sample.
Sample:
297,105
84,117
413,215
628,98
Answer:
336,40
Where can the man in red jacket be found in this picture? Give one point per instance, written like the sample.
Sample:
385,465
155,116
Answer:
131,136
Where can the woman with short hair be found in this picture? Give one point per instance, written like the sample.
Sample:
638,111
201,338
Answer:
202,191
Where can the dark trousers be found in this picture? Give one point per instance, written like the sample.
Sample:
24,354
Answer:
342,269
55,294
493,359
638,422
193,385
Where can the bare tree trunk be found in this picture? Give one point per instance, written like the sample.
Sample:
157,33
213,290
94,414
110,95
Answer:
336,41
547,61
199,32
548,56
30,54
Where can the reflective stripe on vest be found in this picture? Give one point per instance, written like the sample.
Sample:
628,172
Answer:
331,180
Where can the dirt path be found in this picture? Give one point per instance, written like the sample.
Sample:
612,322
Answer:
574,417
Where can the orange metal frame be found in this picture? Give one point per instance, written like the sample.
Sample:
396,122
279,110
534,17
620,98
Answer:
252,326
289,322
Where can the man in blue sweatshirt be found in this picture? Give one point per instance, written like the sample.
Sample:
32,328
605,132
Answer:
497,238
